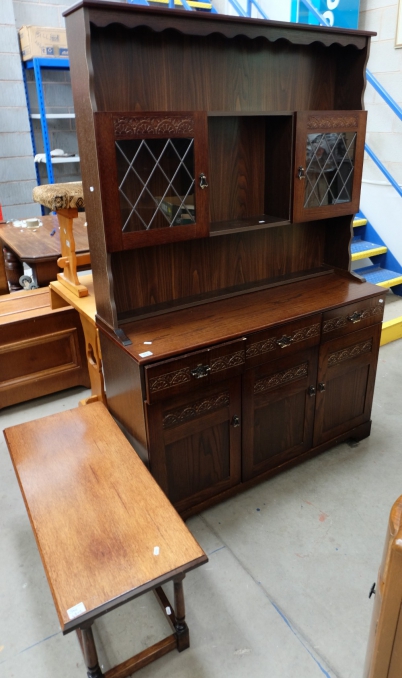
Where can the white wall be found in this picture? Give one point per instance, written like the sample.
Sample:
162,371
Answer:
380,202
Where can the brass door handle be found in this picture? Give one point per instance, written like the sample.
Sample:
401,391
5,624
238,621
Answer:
301,172
311,391
203,181
235,421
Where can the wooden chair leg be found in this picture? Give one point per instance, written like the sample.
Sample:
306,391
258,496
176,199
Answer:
87,642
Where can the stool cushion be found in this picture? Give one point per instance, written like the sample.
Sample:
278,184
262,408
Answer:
60,196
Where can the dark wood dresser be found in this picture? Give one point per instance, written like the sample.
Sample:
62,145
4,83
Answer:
222,162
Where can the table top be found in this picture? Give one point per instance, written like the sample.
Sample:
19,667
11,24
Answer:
36,245
105,531
84,305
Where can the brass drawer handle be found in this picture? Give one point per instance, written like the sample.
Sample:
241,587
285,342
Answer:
200,371
284,341
355,317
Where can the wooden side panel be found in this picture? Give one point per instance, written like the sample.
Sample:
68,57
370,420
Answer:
84,106
384,656
124,392
41,355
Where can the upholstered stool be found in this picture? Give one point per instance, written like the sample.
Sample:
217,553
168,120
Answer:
65,200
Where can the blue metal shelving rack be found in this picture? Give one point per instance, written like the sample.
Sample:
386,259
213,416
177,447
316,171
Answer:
37,64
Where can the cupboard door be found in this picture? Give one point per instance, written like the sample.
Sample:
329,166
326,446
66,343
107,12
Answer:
328,163
345,385
153,176
194,443
278,412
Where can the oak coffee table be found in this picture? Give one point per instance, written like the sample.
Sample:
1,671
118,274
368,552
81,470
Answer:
105,531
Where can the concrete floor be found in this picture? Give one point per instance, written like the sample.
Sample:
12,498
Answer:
285,592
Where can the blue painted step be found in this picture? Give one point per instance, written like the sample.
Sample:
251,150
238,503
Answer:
385,270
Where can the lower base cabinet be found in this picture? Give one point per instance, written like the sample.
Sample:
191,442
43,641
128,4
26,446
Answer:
195,443
213,421
204,443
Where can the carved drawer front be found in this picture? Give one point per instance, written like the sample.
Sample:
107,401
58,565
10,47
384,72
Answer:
193,371
283,340
352,317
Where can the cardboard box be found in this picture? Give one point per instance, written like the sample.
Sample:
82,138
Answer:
41,41
185,215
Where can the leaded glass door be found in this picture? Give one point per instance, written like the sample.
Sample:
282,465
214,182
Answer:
328,163
154,177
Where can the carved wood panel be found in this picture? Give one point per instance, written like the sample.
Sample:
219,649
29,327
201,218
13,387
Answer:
143,126
283,377
169,380
350,352
272,344
328,122
195,409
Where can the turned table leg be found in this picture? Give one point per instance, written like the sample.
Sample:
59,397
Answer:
182,632
86,640
14,269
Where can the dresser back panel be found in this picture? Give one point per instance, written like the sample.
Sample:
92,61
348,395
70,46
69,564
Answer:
211,267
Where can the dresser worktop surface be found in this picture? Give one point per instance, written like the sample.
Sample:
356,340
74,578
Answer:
189,329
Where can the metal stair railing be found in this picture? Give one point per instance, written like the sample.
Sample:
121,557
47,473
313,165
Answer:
248,11
384,94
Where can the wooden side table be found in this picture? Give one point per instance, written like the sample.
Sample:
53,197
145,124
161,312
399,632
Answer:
105,531
61,296
38,249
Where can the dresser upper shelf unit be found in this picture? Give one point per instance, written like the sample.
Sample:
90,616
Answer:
216,132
